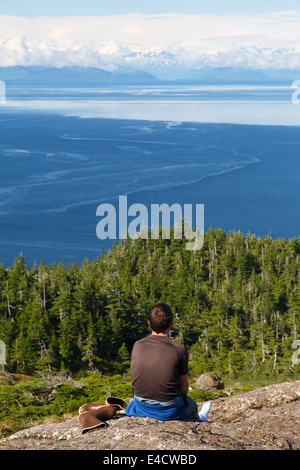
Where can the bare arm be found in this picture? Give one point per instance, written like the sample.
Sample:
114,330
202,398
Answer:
184,384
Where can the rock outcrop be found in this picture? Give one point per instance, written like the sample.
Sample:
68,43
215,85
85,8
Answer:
267,418
210,381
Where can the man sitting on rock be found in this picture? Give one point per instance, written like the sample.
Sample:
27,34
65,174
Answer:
159,371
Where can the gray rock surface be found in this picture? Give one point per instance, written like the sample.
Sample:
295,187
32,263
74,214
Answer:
210,381
267,418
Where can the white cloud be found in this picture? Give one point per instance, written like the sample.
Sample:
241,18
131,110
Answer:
269,40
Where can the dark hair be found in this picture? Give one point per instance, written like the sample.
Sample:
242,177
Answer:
160,317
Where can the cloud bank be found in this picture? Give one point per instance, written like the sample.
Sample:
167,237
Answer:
268,41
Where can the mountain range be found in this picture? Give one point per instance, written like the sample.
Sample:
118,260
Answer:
127,76
73,74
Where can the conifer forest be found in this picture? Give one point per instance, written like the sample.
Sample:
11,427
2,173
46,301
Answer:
236,305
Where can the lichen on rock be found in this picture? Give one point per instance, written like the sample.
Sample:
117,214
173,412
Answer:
266,418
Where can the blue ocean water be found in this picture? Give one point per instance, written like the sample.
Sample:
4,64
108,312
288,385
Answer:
65,151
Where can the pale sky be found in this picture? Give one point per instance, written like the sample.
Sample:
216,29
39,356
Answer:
147,35
113,7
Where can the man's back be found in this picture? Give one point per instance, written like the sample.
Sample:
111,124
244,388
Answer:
156,364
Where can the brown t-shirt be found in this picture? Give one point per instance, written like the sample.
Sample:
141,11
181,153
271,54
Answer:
156,363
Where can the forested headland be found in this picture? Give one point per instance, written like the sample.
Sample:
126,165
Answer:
236,304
